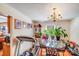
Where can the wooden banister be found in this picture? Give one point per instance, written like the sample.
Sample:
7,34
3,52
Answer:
25,38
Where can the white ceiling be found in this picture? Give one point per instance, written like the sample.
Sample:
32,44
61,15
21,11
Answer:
40,11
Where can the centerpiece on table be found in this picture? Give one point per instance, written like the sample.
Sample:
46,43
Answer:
53,35
56,32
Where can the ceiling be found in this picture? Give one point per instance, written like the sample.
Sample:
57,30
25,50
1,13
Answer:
40,11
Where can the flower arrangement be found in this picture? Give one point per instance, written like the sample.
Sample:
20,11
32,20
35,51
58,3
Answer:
56,32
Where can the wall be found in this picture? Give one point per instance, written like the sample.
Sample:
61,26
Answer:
74,30
22,32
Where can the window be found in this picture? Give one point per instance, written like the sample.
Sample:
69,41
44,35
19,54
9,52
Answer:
3,25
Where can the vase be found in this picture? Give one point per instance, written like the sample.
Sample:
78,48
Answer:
58,38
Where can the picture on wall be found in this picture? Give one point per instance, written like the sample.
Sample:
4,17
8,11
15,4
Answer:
24,24
17,24
29,25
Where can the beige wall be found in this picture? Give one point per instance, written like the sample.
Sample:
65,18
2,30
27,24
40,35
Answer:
74,30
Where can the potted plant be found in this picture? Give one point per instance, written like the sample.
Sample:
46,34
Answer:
56,32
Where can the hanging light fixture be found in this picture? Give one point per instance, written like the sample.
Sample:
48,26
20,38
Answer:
55,16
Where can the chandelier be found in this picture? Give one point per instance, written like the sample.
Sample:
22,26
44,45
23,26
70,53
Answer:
55,16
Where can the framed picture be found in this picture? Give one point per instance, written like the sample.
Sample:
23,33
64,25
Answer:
17,24
29,25
24,24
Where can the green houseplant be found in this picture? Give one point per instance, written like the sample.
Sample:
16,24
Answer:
56,32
